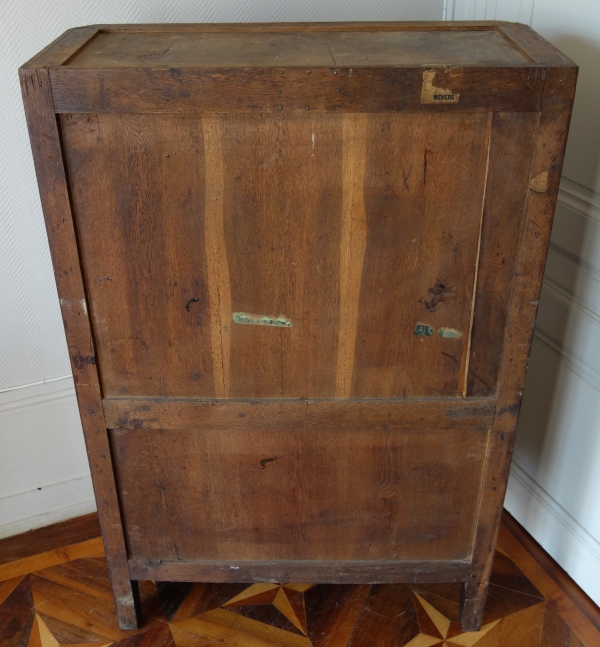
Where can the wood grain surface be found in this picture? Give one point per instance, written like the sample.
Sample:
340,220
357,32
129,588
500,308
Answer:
293,90
56,206
531,260
71,602
511,152
317,494
299,268
386,235
298,415
348,49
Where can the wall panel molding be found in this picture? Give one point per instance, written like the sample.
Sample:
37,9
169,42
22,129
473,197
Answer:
57,502
557,419
580,199
558,532
511,10
44,474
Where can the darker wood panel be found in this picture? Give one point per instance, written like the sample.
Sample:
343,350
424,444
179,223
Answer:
89,576
282,218
75,618
423,218
296,415
535,236
338,572
56,206
143,250
41,540
318,494
511,149
157,636
332,611
222,90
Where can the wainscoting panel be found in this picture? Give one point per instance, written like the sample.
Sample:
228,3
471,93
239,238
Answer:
555,479
44,474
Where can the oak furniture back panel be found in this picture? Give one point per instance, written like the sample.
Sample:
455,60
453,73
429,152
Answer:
299,267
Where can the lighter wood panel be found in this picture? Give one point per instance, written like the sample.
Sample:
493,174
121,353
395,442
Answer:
352,246
219,290
282,225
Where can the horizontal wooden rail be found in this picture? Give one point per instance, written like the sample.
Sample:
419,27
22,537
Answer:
300,571
294,415
269,89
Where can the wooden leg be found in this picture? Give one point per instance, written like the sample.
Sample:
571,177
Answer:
127,608
473,596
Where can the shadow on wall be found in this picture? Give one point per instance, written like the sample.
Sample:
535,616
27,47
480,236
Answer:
557,454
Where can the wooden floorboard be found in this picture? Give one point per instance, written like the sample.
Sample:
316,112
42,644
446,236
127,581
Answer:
61,595
42,540
577,595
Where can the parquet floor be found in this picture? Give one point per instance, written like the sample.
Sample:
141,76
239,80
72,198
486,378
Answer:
69,602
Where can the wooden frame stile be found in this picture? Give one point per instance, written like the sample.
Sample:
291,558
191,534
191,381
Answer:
56,206
551,139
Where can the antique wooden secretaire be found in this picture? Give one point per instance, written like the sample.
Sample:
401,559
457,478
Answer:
299,268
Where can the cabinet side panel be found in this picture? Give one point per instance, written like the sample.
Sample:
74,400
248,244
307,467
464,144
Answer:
511,150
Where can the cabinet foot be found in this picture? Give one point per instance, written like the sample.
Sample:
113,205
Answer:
473,596
128,608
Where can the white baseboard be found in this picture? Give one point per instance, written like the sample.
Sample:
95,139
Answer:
559,534
51,504
44,473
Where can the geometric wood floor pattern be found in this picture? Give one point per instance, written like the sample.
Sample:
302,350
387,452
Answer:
55,591
71,604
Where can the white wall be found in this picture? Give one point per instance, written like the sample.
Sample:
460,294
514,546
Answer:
44,475
554,489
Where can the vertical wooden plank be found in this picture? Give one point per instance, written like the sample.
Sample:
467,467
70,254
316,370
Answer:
544,181
252,158
138,194
455,170
283,200
310,206
219,289
47,153
352,244
423,212
511,150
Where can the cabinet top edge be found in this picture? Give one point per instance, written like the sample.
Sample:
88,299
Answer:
264,45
